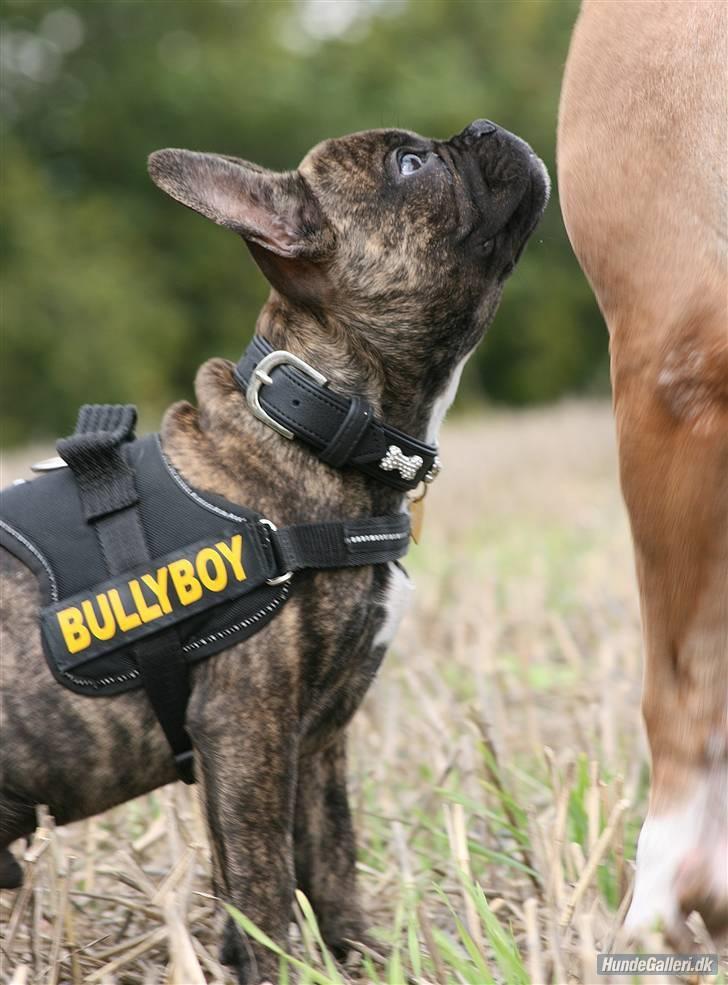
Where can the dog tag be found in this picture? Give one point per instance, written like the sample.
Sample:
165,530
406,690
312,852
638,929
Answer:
417,516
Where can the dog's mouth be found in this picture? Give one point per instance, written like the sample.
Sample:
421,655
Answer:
503,186
527,214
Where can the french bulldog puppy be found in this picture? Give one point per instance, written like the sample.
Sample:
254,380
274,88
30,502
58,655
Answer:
387,253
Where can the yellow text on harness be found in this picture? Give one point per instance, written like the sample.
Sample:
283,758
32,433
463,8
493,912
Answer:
178,583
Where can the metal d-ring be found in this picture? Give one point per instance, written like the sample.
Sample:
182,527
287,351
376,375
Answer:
279,579
261,377
419,492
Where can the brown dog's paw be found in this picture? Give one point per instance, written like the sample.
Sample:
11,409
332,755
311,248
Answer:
11,873
253,965
351,952
344,936
233,952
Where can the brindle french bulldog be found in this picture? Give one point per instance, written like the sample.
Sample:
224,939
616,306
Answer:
387,253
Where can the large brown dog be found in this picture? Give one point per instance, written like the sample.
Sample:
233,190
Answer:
642,156
387,253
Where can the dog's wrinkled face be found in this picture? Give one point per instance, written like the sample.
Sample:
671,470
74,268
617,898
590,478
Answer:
462,207
400,240
428,228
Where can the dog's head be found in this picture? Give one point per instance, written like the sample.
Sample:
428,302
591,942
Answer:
397,243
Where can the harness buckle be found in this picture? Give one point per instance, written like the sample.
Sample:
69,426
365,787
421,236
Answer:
287,575
261,376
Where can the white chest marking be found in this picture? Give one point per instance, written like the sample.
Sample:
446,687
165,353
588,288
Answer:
396,600
400,588
443,402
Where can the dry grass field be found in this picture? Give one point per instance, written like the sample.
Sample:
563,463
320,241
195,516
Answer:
498,769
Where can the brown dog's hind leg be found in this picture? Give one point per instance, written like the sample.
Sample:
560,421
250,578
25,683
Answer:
325,848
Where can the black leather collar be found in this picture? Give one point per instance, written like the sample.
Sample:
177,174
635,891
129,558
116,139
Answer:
292,398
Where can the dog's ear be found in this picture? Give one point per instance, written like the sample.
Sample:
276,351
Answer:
278,212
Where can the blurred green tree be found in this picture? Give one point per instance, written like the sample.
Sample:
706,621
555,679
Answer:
110,292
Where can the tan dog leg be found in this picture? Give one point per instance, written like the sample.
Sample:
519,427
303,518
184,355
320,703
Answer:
642,175
675,481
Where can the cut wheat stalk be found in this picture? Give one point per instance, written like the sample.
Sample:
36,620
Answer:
592,799
432,948
556,872
214,968
152,939
62,877
184,966
126,902
587,951
458,835
175,876
493,773
593,861
533,941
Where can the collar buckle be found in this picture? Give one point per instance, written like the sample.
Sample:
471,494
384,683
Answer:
261,377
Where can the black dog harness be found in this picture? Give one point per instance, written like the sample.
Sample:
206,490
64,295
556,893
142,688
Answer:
142,575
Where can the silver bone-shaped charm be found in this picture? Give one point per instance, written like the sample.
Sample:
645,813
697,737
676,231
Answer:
408,467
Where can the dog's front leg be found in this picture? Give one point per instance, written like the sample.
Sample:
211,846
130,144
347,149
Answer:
245,762
325,848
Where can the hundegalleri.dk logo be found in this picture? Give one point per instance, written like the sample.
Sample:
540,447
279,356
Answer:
657,964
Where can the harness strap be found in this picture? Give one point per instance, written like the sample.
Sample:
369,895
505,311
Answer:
349,543
105,481
109,500
289,396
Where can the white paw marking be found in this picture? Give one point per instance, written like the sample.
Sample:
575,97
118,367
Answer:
664,841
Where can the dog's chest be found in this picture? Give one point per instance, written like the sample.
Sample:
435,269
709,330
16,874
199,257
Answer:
396,599
335,679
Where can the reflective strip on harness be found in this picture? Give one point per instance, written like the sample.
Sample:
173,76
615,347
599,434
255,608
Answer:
152,596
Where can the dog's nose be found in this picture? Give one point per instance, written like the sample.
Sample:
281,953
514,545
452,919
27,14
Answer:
480,128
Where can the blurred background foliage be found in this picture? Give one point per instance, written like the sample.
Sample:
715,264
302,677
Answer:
110,292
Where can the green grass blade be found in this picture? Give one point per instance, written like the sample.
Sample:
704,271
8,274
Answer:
312,923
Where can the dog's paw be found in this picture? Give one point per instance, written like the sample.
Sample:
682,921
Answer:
252,964
11,873
233,952
343,934
344,949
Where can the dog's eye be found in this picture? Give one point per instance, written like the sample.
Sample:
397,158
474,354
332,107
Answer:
409,163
